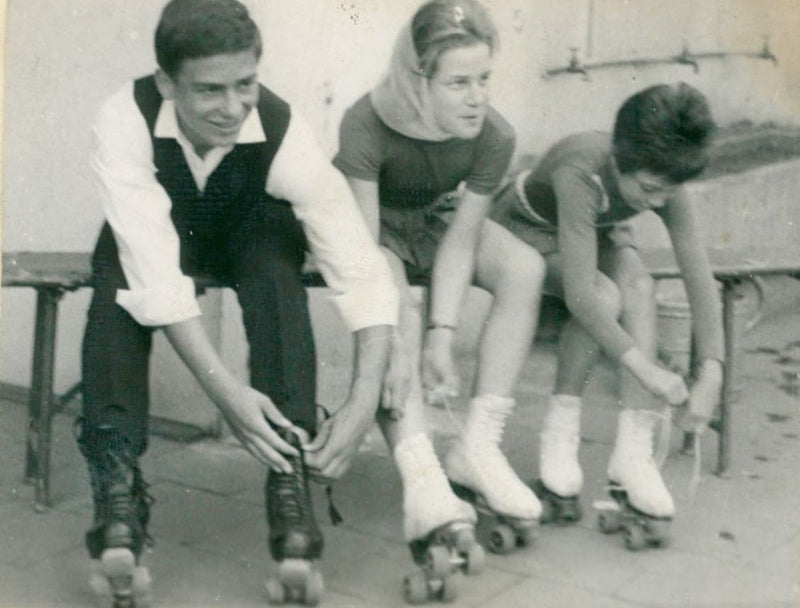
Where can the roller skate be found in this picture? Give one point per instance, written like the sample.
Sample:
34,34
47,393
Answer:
642,507
481,475
295,540
121,512
439,527
561,479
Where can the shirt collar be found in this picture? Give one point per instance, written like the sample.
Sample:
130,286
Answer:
252,131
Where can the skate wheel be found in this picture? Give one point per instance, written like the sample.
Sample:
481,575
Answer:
142,587
464,540
608,523
276,594
527,534
101,589
659,533
635,538
437,563
476,559
449,591
294,572
415,588
502,539
571,512
549,512
315,588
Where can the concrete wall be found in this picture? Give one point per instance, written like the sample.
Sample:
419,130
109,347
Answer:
63,57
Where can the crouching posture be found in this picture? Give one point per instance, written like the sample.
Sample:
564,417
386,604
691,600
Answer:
571,207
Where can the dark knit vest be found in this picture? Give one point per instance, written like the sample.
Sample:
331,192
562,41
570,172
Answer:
204,220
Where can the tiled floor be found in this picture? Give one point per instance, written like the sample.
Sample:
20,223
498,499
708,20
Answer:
736,541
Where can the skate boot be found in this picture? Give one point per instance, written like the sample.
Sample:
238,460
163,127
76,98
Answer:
642,507
481,475
121,512
439,528
561,477
295,540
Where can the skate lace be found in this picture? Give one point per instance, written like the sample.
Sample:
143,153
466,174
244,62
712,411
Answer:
144,501
487,445
291,492
662,451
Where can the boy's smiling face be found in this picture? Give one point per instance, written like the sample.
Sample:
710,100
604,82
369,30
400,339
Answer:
213,96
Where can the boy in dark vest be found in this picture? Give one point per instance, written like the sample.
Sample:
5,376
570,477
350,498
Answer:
202,170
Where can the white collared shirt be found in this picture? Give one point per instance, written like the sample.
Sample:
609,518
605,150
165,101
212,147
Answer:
138,209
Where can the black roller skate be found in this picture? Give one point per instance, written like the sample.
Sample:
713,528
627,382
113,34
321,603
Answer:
121,512
295,540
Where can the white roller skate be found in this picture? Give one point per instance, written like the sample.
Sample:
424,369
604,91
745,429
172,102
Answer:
480,474
439,528
642,506
561,478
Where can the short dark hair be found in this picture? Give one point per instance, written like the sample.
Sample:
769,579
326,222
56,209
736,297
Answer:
189,29
664,129
441,25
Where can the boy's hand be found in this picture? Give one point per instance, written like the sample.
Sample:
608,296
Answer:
439,376
329,455
247,410
704,397
397,383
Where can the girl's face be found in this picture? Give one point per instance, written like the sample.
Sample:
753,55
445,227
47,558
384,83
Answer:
460,90
643,190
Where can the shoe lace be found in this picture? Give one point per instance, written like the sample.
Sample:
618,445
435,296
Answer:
143,501
291,491
490,457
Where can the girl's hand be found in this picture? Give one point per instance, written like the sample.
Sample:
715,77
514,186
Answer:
439,376
704,397
665,384
661,382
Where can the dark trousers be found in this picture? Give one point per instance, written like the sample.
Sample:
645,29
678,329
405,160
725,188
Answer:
261,258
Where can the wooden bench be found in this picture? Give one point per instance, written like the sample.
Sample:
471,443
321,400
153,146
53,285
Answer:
52,274
730,268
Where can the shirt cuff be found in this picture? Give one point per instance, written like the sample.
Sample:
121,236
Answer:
368,305
158,305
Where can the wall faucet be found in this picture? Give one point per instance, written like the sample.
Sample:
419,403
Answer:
687,58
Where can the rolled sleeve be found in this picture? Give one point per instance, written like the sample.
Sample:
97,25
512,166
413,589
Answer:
138,210
344,251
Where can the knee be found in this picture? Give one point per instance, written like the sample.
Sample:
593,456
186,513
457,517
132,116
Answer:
523,276
610,298
637,288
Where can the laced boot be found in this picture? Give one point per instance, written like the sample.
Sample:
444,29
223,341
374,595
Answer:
295,540
561,477
121,513
481,474
644,508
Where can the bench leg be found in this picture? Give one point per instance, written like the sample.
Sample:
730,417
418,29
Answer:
37,459
724,421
